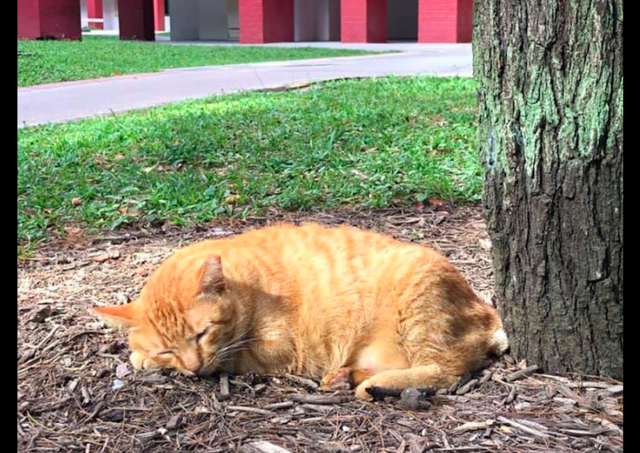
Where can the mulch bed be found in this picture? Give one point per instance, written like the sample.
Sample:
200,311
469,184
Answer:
77,392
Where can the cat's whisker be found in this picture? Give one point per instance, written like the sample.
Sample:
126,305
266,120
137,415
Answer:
230,352
239,337
231,346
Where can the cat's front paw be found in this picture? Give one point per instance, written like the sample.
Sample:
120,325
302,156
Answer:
362,390
142,362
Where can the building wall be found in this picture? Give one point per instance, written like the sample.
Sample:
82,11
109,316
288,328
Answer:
191,20
445,21
465,21
334,20
212,17
402,19
60,19
184,20
278,16
305,17
28,19
363,21
317,20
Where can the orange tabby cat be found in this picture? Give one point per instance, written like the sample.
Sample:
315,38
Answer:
355,308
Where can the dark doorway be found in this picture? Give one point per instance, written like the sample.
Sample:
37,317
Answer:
402,20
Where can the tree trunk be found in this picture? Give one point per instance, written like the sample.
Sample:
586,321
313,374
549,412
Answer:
550,91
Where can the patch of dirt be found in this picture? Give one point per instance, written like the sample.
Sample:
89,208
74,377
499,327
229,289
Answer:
77,391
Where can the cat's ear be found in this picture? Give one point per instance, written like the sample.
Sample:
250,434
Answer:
211,277
118,315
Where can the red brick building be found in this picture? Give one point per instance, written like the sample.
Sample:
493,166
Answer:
258,21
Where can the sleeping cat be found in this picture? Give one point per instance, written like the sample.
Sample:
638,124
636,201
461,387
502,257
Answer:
354,308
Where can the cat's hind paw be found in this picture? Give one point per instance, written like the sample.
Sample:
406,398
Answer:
340,379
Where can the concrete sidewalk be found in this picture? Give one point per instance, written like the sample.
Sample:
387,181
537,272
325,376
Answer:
68,101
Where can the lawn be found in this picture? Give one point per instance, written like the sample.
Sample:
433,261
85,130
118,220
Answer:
101,56
374,143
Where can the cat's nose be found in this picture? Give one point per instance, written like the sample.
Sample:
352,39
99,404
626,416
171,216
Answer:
192,363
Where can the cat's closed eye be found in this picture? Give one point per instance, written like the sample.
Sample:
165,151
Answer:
166,353
202,334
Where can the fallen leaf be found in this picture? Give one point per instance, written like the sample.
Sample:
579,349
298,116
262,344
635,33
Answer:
231,199
119,157
73,231
435,201
101,258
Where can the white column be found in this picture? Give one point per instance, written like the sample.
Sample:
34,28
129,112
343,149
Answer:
109,9
84,15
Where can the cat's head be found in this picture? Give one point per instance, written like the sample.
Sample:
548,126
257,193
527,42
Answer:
183,318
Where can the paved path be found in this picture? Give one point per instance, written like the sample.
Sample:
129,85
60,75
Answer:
74,100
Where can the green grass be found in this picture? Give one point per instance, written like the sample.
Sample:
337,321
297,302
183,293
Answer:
93,57
373,143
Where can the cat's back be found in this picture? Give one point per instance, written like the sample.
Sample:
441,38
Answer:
334,256
312,247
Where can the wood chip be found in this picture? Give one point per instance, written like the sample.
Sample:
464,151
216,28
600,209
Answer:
615,389
122,371
486,376
308,383
224,387
584,433
466,388
521,427
41,315
521,374
253,410
511,397
174,423
463,380
318,399
472,426
261,447
277,406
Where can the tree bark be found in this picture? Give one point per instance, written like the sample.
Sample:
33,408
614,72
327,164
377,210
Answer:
551,94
